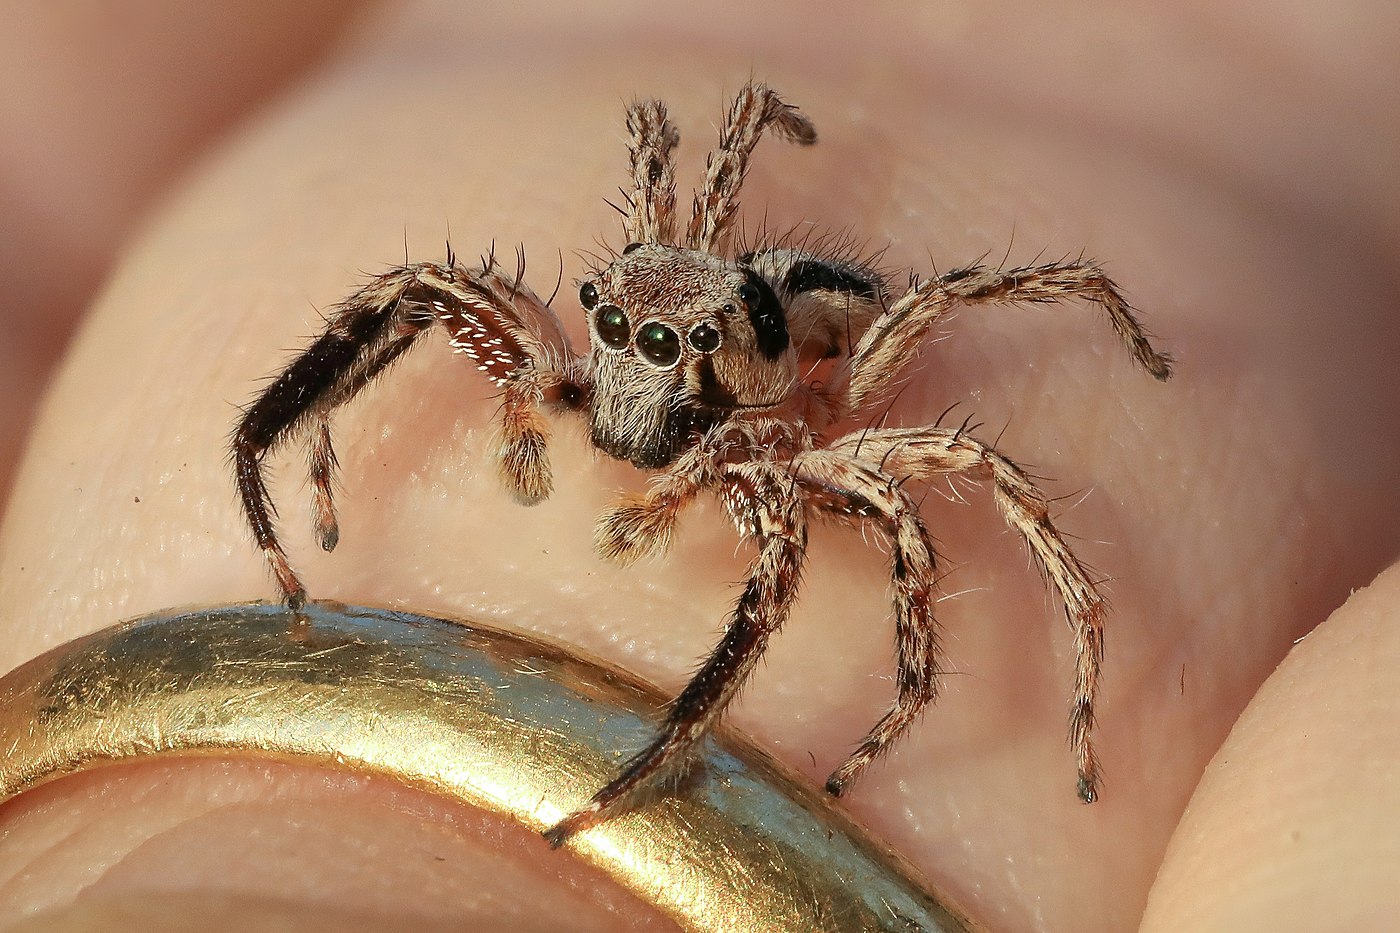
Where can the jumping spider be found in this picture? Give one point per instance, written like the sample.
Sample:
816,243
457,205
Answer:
693,372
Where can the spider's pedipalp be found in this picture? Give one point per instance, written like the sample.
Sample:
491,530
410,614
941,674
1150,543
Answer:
642,525
756,108
765,506
924,453
522,453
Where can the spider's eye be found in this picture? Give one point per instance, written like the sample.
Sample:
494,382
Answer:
748,294
659,344
611,325
588,296
704,338
630,247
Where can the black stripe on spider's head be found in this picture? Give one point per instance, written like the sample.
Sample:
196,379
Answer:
766,314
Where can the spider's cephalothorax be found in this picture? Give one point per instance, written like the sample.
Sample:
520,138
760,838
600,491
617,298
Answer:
693,372
680,339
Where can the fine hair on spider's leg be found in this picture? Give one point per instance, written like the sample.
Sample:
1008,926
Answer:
323,466
642,525
651,214
846,487
925,453
893,340
765,507
359,342
886,350
755,109
493,319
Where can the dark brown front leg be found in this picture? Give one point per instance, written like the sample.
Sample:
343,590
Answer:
498,323
766,508
360,341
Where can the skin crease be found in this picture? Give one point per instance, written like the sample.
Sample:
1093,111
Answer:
1232,170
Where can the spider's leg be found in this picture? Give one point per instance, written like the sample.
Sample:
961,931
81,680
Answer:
764,505
839,484
362,337
520,344
651,214
321,452
493,319
522,453
895,337
641,525
755,109
924,453
323,467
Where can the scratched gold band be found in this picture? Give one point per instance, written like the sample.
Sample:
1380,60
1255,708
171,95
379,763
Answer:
494,720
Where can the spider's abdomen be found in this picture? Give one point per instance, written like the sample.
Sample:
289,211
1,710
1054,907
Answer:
828,301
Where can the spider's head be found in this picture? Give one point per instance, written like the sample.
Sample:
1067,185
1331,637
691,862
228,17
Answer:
679,338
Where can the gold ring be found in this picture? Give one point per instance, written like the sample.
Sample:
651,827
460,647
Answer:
491,719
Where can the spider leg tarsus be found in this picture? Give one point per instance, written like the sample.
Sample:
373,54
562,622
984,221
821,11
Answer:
855,488
573,824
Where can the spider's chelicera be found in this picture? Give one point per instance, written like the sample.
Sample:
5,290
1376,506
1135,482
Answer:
693,371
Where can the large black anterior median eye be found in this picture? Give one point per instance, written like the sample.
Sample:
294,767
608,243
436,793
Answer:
659,344
612,327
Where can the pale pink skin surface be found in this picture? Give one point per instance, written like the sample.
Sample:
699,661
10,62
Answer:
1235,173
100,106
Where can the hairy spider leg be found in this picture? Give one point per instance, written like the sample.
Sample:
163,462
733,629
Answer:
895,337
323,464
359,343
755,109
651,207
924,453
848,488
766,509
494,320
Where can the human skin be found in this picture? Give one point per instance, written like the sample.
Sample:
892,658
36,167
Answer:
100,106
1232,171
